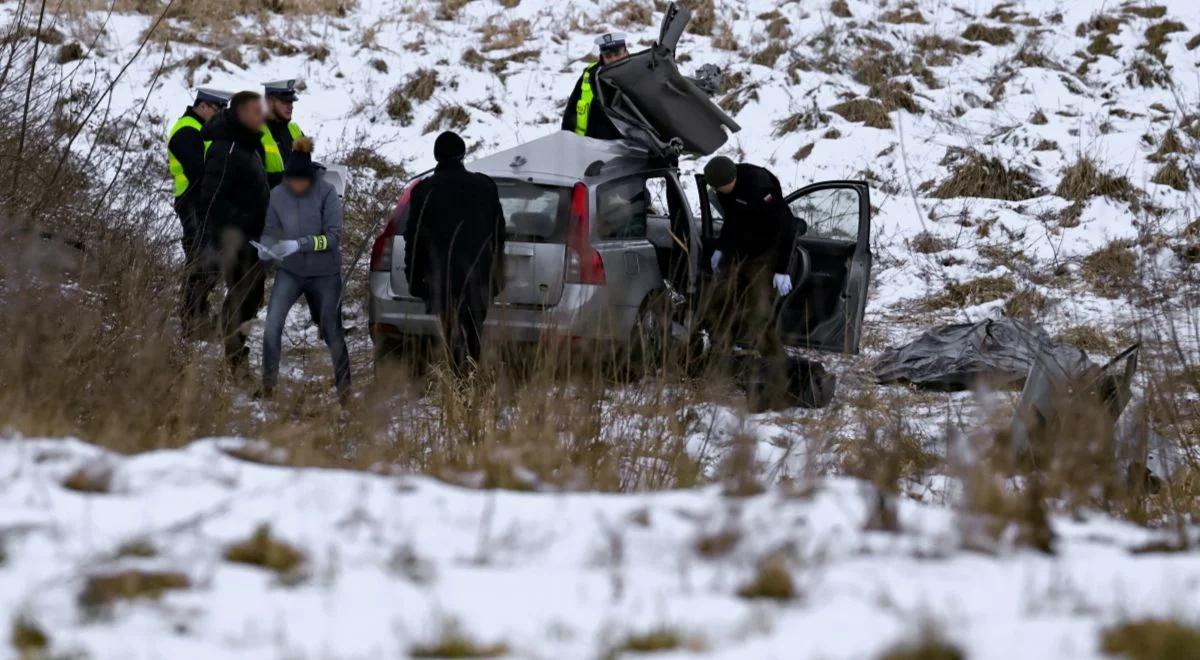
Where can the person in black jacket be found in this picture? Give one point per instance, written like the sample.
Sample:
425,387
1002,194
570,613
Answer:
233,208
753,254
185,160
584,114
454,255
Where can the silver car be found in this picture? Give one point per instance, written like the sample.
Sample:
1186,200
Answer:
603,243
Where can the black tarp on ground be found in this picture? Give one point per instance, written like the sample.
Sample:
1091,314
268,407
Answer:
999,353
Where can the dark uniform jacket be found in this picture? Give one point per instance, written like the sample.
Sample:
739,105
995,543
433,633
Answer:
188,148
599,125
234,191
758,222
454,238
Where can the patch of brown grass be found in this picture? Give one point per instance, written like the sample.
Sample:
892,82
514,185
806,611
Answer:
262,550
1151,639
718,544
100,591
1145,11
870,112
772,580
996,36
94,478
28,638
1157,35
1171,174
629,13
502,37
1169,145
896,96
704,17
928,645
970,293
1112,270
928,243
1084,180
769,54
903,15
657,640
453,642
449,117
973,174
804,152
840,8
421,85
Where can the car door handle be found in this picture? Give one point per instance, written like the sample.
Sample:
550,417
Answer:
633,265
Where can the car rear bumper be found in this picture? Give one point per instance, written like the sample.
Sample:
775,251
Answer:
583,312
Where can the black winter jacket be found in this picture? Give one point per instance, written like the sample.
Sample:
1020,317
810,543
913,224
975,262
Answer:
234,191
599,125
758,223
454,237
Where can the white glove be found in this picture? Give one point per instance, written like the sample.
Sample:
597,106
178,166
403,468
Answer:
716,260
264,254
783,284
284,249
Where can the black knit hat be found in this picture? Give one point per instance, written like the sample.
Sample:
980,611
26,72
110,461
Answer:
300,165
720,171
449,148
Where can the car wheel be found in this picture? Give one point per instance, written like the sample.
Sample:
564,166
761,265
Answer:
650,339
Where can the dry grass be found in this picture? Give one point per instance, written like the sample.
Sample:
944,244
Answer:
101,591
28,639
449,117
903,15
1112,270
973,174
928,645
772,580
262,550
870,112
1157,35
453,642
996,36
1084,180
1171,174
496,36
970,293
657,640
630,13
840,8
1151,639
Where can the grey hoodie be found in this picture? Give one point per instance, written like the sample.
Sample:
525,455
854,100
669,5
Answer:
315,220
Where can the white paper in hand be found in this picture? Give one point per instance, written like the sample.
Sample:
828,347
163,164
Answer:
264,252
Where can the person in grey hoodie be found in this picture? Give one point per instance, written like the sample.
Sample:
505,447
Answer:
303,233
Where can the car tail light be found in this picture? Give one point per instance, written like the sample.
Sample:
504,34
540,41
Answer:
584,263
381,249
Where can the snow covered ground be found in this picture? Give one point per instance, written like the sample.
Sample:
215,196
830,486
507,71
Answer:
392,561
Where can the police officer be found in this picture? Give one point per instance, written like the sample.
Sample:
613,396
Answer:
185,160
753,252
280,131
584,115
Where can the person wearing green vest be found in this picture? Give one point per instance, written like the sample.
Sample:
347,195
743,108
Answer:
185,161
280,131
584,115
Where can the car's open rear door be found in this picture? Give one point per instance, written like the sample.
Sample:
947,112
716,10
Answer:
652,103
833,271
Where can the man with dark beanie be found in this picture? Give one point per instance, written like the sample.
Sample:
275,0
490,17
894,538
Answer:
303,234
752,255
454,257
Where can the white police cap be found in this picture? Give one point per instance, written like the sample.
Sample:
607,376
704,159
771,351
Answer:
611,41
285,89
214,96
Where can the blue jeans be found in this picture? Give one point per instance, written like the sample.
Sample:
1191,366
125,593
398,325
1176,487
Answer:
323,293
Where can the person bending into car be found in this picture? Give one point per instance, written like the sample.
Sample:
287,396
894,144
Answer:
454,255
303,234
753,254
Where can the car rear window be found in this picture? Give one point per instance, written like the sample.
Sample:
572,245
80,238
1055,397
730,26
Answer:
534,213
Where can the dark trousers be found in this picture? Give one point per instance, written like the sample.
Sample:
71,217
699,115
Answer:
245,283
200,273
743,306
462,318
322,293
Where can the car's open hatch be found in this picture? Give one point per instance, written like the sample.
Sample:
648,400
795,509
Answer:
651,102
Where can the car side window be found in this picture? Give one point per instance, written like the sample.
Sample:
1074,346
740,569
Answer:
831,213
621,208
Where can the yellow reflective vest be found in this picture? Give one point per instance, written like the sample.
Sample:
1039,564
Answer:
274,159
173,164
584,106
